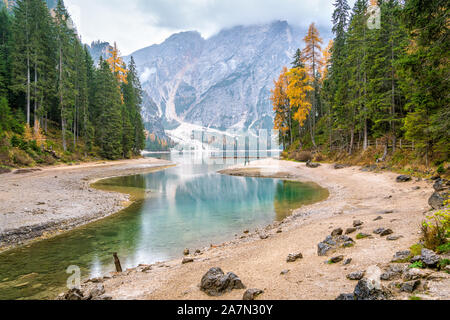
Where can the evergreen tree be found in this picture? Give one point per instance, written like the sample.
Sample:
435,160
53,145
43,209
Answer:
425,74
107,101
133,127
5,37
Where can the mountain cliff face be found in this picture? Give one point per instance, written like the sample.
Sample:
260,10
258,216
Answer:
222,82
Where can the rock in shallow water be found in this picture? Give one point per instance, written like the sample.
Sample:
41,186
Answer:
216,283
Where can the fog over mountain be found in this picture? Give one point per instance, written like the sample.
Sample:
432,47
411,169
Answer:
221,83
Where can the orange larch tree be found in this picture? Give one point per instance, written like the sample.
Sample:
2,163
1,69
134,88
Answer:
297,92
117,65
312,55
281,106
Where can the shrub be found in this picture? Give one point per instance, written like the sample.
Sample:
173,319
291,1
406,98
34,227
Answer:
436,229
302,156
441,169
21,158
319,157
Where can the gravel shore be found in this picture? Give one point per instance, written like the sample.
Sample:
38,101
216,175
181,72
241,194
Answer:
44,202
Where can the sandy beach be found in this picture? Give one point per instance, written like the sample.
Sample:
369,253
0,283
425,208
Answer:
354,195
39,204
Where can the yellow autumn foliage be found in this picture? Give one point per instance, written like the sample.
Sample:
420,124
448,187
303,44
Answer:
297,92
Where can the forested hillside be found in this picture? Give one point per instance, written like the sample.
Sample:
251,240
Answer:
55,104
376,93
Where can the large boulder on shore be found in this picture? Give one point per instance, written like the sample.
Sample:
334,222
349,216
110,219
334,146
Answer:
215,282
367,289
429,258
436,201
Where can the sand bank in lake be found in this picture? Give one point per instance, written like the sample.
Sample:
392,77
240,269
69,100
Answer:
43,203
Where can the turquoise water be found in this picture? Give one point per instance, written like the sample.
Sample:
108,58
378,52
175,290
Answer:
188,206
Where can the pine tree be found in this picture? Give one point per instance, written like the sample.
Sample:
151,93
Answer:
132,94
21,52
5,37
107,101
425,73
66,39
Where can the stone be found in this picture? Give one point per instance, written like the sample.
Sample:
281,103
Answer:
246,231
379,230
330,241
198,251
347,261
337,232
312,165
323,249
95,292
356,275
393,238
284,272
263,236
436,201
386,232
339,166
362,235
410,286
378,218
400,256
367,289
74,295
344,238
394,271
279,230
187,260
216,283
186,252
357,223
350,230
294,257
346,297
336,259
415,274
403,178
251,294
348,244
429,258
103,298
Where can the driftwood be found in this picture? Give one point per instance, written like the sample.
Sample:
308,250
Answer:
117,262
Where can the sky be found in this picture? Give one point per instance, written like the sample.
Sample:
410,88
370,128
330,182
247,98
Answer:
135,24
